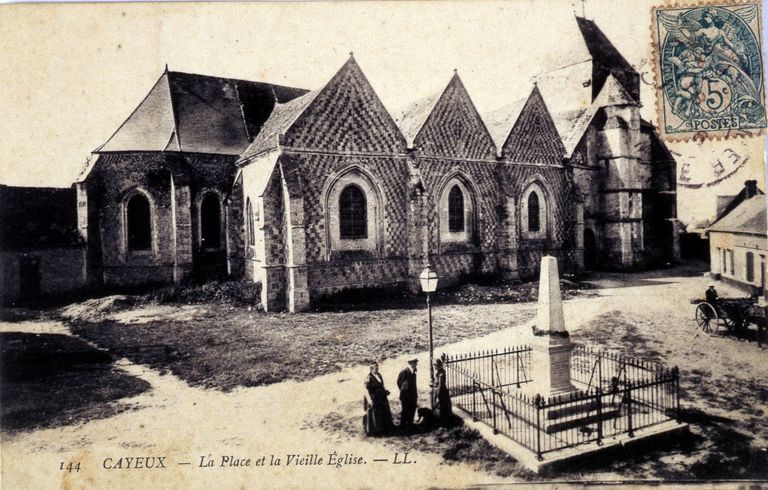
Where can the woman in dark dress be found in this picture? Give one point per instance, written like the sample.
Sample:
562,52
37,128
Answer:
378,416
443,406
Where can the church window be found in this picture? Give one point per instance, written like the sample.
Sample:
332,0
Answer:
249,223
534,222
353,213
455,210
139,223
210,222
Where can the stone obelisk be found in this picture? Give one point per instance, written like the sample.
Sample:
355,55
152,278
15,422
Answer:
552,345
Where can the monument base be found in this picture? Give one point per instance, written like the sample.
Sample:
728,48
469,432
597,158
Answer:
551,364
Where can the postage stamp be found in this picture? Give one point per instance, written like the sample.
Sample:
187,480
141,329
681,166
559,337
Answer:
709,70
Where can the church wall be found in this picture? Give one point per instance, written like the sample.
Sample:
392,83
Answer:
331,266
477,253
560,240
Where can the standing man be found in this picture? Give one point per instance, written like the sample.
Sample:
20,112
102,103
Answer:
406,383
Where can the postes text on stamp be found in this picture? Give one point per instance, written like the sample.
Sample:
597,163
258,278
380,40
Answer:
709,70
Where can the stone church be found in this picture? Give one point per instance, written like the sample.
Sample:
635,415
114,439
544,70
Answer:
314,192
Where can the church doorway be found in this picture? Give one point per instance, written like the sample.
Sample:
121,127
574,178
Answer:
210,260
590,250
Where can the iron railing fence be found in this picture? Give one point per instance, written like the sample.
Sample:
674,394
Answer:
615,395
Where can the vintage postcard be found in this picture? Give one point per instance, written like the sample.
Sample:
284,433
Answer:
383,244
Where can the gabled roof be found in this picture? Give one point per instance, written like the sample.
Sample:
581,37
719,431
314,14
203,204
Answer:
412,118
317,114
612,94
747,217
736,200
534,137
198,114
501,121
283,116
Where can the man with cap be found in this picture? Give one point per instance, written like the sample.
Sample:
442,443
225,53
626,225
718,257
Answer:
406,383
711,295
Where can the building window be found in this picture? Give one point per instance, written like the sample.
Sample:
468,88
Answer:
353,213
210,222
249,222
730,262
750,267
455,210
139,220
534,222
724,263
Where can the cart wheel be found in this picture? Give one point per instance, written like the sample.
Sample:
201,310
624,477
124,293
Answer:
706,318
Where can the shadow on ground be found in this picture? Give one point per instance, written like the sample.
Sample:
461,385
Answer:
49,380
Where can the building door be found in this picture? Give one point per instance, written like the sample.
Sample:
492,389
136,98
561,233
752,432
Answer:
29,278
590,250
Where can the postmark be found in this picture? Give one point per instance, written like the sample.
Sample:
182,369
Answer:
709,71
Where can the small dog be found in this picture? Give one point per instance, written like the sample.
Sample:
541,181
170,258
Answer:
425,417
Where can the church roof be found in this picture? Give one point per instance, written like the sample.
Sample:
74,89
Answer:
612,93
283,116
748,217
198,114
501,121
412,118
600,48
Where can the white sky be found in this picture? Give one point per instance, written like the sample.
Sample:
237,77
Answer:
71,73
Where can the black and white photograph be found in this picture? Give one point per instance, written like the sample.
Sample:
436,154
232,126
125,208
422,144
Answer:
380,244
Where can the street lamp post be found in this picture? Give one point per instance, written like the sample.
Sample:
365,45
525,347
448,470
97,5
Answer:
428,279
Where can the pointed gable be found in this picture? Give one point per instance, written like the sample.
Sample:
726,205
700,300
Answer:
613,94
454,128
534,137
346,115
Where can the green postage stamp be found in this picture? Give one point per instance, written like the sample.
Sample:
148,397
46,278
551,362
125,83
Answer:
709,70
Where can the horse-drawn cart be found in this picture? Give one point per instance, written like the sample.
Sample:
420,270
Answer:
734,314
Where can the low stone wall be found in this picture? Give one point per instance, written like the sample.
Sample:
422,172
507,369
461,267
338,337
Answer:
47,273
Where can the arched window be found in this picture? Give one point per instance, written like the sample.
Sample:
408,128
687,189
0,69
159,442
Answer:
210,222
353,213
534,223
139,223
249,224
455,210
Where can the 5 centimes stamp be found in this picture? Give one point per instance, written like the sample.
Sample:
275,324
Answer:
709,70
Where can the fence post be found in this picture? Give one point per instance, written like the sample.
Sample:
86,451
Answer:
493,393
538,401
676,374
474,398
628,395
599,399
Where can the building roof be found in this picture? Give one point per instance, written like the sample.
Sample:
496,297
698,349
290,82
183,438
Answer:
748,217
199,114
282,118
412,118
600,48
37,217
501,121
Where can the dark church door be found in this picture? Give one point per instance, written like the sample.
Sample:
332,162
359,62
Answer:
210,259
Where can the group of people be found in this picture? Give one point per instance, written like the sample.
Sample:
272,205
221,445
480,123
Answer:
378,415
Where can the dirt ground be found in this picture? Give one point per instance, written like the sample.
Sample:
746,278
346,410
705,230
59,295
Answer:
192,412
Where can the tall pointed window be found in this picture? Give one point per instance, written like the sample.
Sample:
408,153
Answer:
353,213
455,210
210,222
249,224
534,223
139,223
